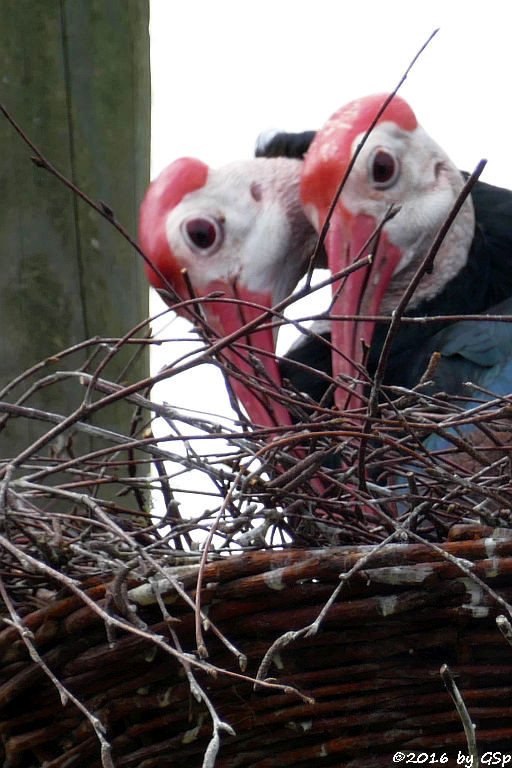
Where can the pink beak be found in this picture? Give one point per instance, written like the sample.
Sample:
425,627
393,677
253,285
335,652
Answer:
361,296
226,318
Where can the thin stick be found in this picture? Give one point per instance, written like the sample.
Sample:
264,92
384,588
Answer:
64,693
469,728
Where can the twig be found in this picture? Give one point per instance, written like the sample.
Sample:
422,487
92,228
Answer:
469,728
64,693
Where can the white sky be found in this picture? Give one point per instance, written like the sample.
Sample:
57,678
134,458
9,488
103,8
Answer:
224,70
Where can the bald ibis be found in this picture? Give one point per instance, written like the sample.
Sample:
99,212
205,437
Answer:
240,230
400,165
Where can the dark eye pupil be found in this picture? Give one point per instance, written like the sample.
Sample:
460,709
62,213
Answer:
383,167
201,232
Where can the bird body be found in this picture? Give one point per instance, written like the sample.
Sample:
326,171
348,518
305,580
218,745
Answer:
244,233
401,166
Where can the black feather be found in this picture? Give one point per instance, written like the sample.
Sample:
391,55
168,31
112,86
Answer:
484,285
283,144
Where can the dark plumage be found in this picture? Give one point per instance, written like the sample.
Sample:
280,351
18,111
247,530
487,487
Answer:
283,144
309,352
484,286
470,350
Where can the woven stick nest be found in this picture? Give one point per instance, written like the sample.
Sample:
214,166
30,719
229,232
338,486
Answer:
132,642
344,593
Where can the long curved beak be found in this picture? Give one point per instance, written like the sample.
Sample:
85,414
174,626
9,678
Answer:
252,356
350,238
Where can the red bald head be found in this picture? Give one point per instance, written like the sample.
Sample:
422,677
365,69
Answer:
399,167
326,164
331,151
238,231
167,190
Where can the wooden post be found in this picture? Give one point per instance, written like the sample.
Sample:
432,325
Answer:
75,75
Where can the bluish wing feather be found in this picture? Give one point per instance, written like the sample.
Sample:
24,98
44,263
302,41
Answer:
474,352
479,351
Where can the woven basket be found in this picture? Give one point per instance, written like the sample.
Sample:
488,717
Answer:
369,678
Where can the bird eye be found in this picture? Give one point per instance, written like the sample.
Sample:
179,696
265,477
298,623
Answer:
203,234
383,169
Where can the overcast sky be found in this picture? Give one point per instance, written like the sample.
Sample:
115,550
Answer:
224,70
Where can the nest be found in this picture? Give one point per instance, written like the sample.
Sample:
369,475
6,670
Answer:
338,599
366,685
139,636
